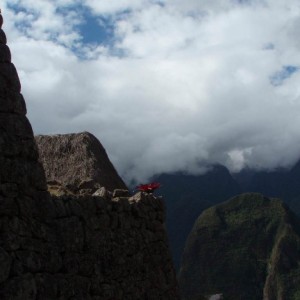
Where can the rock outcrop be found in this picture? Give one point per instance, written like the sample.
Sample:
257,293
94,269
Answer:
77,162
71,247
247,248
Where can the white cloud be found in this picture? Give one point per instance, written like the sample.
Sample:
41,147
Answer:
44,20
113,6
190,84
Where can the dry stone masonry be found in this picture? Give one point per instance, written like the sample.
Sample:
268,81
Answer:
21,174
98,247
89,248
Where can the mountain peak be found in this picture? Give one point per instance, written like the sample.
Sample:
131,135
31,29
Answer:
245,248
77,161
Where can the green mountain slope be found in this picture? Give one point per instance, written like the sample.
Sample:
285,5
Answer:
245,248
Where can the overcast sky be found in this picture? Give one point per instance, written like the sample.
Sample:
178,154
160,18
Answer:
166,85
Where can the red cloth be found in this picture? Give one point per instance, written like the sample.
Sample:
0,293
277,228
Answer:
149,187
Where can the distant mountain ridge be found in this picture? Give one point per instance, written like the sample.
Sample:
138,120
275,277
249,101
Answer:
187,196
281,183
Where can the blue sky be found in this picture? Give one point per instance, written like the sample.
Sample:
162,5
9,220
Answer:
96,30
285,73
167,85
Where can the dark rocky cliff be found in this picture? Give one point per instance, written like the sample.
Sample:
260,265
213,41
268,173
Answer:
77,162
70,247
245,248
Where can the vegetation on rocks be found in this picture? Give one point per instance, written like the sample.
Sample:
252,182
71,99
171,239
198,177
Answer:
246,248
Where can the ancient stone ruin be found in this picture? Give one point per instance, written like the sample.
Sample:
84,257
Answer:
71,247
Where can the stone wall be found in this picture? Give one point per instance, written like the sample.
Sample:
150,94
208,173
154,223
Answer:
87,247
71,247
20,173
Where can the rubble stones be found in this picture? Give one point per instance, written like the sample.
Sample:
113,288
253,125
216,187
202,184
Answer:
102,192
120,193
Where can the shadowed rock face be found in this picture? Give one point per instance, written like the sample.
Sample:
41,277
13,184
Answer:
78,162
71,247
245,248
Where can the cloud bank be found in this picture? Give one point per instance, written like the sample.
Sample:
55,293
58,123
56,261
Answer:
176,85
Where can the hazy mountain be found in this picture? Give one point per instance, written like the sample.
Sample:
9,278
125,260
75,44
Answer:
187,196
280,183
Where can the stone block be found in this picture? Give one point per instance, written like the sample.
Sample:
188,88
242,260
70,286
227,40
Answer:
70,234
19,288
120,193
3,39
9,190
27,206
61,210
16,125
104,221
32,244
70,264
5,264
10,241
8,206
9,73
30,260
73,287
47,286
17,268
5,55
19,226
86,265
102,192
100,203
53,261
75,207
